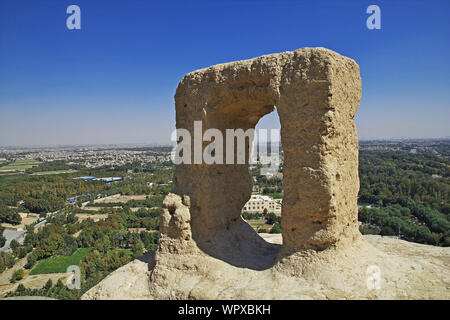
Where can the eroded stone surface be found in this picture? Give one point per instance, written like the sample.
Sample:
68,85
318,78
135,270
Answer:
316,92
408,271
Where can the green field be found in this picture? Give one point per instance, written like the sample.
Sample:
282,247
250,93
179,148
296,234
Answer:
53,172
20,165
7,179
59,264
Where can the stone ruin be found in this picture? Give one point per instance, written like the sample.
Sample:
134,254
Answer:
206,249
316,93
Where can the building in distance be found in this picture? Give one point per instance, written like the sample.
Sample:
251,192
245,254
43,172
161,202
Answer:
107,180
262,204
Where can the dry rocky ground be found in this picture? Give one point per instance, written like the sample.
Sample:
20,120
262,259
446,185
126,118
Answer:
121,198
407,271
96,217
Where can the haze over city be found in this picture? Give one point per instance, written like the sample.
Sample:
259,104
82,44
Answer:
113,81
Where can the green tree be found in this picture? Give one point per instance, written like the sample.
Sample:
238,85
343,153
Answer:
51,244
9,215
2,238
20,289
138,249
17,275
271,218
103,244
14,244
387,231
48,285
31,260
276,228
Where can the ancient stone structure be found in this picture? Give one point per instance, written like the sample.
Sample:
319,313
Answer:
316,93
207,251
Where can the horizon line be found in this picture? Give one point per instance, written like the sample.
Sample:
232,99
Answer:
167,144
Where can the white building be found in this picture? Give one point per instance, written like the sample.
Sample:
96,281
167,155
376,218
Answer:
258,203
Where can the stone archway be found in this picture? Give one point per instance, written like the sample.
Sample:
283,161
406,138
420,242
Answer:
317,93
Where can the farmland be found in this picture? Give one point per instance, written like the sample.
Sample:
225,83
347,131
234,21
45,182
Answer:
42,173
59,264
19,165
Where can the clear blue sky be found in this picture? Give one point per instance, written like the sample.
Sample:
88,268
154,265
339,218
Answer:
113,81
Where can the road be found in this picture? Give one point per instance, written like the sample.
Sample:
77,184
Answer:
11,235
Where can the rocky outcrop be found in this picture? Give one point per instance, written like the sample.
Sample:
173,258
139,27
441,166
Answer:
407,271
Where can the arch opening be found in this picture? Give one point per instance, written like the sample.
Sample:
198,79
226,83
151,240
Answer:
235,240
262,211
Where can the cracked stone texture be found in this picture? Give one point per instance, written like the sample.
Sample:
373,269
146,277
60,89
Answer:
207,251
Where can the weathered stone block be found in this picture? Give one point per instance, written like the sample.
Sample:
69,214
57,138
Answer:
316,93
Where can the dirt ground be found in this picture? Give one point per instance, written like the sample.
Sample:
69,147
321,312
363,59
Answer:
136,230
5,276
121,198
88,208
95,217
29,220
92,208
34,282
25,221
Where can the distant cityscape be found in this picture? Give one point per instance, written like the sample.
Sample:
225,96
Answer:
118,155
88,157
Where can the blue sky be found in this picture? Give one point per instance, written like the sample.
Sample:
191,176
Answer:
113,81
